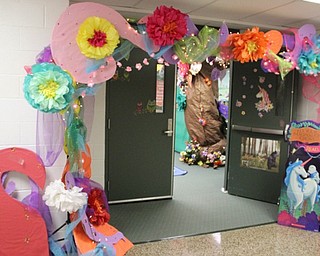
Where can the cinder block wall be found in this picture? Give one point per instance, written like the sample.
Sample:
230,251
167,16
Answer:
26,27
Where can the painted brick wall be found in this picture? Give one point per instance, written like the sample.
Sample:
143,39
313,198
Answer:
25,28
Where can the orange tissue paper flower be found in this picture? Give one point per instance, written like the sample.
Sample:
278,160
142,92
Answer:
248,46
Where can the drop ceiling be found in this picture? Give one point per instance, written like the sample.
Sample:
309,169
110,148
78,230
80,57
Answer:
238,14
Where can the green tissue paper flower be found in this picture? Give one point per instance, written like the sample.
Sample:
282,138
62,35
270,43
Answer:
48,88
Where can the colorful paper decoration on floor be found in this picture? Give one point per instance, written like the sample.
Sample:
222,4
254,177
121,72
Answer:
299,201
23,231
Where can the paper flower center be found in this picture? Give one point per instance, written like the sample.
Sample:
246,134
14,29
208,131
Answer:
169,26
313,64
99,39
49,89
252,47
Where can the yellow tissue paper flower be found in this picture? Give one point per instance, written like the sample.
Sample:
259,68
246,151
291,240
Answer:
97,38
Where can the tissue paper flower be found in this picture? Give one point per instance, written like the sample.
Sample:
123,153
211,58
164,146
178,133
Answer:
309,58
64,200
166,25
248,46
96,210
97,38
48,88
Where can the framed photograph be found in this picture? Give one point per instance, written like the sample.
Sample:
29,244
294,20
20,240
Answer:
261,154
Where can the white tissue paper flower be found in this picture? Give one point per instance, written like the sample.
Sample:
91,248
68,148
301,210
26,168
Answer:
69,200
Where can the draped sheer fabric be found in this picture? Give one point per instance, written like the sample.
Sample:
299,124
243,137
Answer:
49,137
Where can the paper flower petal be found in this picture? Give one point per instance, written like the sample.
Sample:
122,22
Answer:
64,200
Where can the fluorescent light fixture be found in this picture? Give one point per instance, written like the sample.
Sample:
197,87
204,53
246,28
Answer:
313,1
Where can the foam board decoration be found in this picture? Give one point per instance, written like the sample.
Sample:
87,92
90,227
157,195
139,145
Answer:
64,47
22,229
299,201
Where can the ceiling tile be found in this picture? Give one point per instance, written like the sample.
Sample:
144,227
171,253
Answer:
236,9
314,21
275,14
286,14
182,5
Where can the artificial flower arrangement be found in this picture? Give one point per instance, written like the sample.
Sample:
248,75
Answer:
195,154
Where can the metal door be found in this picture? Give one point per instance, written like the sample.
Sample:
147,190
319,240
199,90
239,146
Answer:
261,105
140,125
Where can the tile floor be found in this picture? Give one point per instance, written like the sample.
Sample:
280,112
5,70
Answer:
271,239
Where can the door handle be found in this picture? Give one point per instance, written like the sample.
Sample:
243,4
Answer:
169,130
169,133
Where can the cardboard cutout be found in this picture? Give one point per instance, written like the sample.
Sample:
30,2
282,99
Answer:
299,202
22,229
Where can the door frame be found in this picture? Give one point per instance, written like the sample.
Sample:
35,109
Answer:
107,150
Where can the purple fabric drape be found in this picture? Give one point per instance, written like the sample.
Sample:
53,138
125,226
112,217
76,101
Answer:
49,137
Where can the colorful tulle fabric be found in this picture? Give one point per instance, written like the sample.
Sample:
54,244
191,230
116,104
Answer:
45,55
166,25
49,136
197,48
75,139
48,88
97,38
273,63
